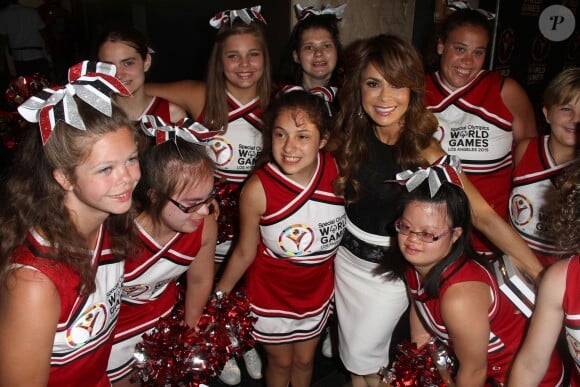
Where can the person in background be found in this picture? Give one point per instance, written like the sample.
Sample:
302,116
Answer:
23,37
127,48
291,226
455,296
177,236
66,228
538,162
482,115
385,128
314,53
232,99
558,301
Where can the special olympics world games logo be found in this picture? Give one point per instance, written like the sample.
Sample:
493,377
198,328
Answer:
87,326
521,210
296,239
221,150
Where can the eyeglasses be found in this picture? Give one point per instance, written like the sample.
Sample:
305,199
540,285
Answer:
426,237
196,206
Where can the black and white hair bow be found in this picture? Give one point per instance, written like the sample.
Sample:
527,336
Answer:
186,129
302,13
446,171
247,15
93,82
457,5
326,93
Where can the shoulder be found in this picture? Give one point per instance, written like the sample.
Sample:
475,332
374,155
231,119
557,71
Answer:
433,152
32,290
465,297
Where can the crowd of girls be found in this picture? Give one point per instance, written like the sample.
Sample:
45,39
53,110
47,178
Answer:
315,210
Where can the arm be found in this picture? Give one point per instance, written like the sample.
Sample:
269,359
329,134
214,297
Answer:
190,95
486,220
201,273
464,310
29,311
520,150
533,358
516,100
252,206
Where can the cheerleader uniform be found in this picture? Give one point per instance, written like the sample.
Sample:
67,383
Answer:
149,293
290,284
158,107
475,125
234,153
507,324
84,332
571,307
532,192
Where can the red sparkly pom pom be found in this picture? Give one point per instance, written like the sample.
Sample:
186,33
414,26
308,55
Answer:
175,354
24,87
429,366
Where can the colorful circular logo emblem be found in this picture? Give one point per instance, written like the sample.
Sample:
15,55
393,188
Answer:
296,239
221,150
87,326
521,210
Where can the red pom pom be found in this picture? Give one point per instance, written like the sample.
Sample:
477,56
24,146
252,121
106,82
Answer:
174,353
24,87
431,365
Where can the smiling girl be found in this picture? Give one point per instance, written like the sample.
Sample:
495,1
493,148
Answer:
66,227
455,296
291,225
127,49
174,198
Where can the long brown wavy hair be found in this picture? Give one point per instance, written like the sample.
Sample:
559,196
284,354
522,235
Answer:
400,64
216,107
34,199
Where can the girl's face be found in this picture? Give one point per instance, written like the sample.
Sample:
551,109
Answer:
430,218
131,67
175,220
106,179
317,56
243,60
564,121
462,55
384,103
295,144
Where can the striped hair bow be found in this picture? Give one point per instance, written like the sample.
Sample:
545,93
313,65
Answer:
457,5
186,129
302,13
445,171
93,82
326,93
247,15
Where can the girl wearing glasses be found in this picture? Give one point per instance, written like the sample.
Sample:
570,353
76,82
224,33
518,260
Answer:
177,237
455,296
